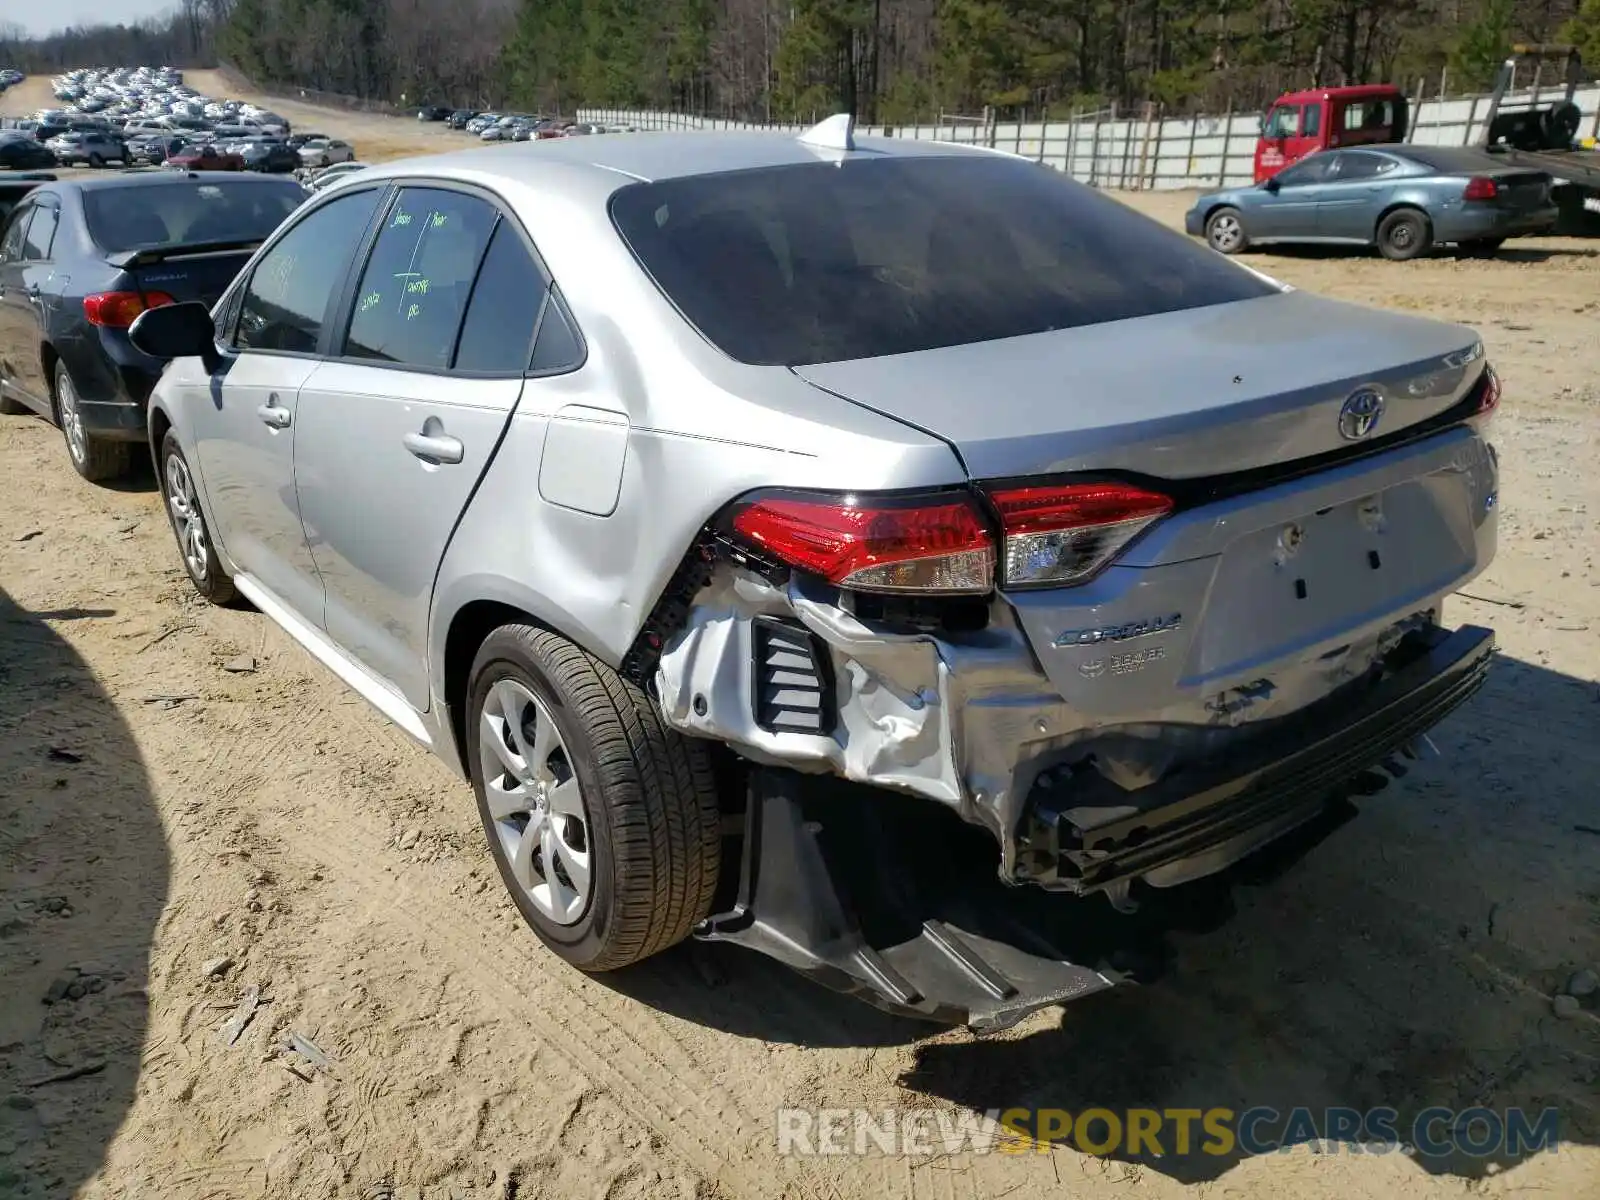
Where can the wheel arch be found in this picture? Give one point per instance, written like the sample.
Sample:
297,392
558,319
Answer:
1395,206
159,423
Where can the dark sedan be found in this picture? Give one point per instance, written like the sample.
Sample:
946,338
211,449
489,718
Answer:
1402,199
273,158
80,259
23,153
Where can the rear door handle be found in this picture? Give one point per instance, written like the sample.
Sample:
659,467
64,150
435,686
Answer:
439,448
274,415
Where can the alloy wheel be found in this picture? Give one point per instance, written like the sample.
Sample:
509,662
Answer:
71,418
1226,232
535,801
186,518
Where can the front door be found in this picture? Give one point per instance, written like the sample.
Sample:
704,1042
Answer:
396,429
244,429
1291,210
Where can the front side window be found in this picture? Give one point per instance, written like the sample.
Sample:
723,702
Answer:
36,246
1311,124
414,289
1283,122
884,255
284,303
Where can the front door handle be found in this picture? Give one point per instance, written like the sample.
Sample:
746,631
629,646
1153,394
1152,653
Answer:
439,448
273,415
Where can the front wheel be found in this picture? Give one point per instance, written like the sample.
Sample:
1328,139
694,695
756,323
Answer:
1404,234
602,821
1225,231
96,459
96,161
182,499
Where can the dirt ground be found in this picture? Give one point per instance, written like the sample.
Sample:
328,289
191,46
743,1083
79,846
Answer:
191,807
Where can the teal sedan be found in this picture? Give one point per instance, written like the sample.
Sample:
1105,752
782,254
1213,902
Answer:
1401,199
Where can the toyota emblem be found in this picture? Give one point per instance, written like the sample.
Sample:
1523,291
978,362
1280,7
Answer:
1359,416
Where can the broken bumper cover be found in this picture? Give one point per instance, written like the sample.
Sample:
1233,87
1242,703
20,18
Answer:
1084,834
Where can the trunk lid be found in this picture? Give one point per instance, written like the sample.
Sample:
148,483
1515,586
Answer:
198,272
1197,393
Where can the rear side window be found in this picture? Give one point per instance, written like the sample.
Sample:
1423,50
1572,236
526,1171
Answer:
187,212
16,230
1354,164
415,287
36,246
287,296
497,335
818,263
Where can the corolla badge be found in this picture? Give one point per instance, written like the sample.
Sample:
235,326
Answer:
1359,416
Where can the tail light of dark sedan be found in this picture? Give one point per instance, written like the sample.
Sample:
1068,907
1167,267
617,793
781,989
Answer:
118,310
1056,535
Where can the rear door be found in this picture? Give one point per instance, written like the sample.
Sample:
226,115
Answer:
19,341
1354,194
396,428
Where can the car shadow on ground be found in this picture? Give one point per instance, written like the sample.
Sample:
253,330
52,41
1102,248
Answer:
85,867
1408,962
1512,253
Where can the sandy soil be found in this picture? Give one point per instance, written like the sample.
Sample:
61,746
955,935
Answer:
181,785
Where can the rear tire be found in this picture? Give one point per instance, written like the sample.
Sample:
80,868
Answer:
96,459
96,161
1225,231
1404,234
573,763
1482,247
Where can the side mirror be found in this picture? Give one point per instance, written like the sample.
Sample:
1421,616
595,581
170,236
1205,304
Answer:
177,331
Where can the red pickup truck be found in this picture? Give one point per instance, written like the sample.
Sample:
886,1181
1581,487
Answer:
205,158
1301,123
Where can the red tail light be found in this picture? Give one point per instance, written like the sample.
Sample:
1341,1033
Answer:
117,310
1481,187
917,544
1061,535
1490,399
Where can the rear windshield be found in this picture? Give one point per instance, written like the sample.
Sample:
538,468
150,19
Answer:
187,212
821,263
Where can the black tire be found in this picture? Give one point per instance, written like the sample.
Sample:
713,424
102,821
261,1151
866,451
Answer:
1225,231
1482,247
211,580
649,799
1404,234
96,459
95,160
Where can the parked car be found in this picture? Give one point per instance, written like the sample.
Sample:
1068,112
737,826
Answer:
80,259
324,152
434,112
1402,199
154,151
22,153
337,173
92,147
459,118
1029,542
272,157
205,157
295,140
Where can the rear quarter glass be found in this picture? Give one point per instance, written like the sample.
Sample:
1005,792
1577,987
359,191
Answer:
813,263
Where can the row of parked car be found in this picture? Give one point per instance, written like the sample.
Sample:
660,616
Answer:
513,126
148,116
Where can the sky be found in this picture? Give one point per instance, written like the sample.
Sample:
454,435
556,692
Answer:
39,18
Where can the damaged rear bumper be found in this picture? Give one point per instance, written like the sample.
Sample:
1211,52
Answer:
1083,834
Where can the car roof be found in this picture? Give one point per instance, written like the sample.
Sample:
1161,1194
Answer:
649,157
162,179
1363,91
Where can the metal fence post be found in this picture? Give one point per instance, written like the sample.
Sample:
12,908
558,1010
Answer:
1094,149
1227,140
1044,131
